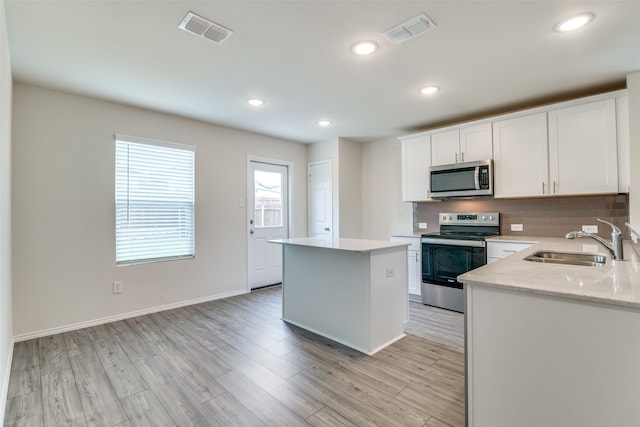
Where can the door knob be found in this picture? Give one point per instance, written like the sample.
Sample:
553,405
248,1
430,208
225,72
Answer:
251,231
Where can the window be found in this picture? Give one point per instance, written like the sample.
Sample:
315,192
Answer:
268,199
154,200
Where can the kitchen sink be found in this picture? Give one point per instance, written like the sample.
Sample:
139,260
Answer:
570,258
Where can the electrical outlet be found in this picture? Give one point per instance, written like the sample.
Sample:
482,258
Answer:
590,228
516,227
117,287
422,225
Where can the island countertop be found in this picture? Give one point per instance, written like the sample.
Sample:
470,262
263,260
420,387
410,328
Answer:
616,283
344,244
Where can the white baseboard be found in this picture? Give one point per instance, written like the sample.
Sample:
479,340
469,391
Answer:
109,319
5,384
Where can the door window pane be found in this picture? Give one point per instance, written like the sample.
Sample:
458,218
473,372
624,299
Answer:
267,199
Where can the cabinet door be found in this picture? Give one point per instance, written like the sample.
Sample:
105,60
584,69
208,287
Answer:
520,157
624,148
415,276
415,154
476,143
445,147
583,156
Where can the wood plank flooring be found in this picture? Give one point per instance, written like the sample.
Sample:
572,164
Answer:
233,362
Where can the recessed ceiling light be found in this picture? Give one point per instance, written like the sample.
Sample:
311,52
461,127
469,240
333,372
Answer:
429,90
324,123
256,102
364,47
574,22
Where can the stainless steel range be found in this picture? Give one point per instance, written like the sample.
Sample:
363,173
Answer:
460,246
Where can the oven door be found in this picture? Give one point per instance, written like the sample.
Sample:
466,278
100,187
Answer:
443,260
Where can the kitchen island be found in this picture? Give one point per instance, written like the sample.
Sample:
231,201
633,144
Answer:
553,345
351,291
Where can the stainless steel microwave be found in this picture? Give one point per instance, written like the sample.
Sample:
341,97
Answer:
469,179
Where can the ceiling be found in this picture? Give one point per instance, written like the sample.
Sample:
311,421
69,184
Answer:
486,56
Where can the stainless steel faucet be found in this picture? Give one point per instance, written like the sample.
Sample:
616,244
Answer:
615,246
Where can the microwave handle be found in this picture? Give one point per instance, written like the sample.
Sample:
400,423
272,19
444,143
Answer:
476,177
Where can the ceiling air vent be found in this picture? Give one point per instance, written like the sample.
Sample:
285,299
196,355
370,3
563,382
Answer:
410,29
204,28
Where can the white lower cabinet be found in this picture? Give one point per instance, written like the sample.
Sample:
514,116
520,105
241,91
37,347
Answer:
499,250
536,360
414,265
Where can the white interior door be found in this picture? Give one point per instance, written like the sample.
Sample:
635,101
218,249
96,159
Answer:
320,198
268,218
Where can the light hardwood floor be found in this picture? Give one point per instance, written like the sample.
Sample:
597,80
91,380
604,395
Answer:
233,362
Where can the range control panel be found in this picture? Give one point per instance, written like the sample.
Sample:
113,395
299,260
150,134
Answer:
475,218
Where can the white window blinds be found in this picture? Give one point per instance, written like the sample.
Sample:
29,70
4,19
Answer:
154,200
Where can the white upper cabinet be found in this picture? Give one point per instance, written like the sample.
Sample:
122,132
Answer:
571,148
624,148
461,145
445,147
583,155
520,157
476,143
415,153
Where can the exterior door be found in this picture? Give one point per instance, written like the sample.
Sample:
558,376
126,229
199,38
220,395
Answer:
320,198
268,218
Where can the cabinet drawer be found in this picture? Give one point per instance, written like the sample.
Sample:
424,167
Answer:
504,249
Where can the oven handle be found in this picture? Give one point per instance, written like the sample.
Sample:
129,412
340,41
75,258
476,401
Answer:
454,242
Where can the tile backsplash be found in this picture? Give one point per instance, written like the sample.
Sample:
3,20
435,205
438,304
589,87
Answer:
550,217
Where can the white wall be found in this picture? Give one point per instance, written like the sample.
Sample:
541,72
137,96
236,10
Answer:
63,210
6,328
383,211
350,176
633,85
346,166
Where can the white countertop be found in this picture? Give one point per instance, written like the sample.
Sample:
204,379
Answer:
409,234
516,239
635,226
344,244
617,283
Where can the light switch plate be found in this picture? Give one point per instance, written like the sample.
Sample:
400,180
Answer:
517,227
422,225
590,228
117,287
